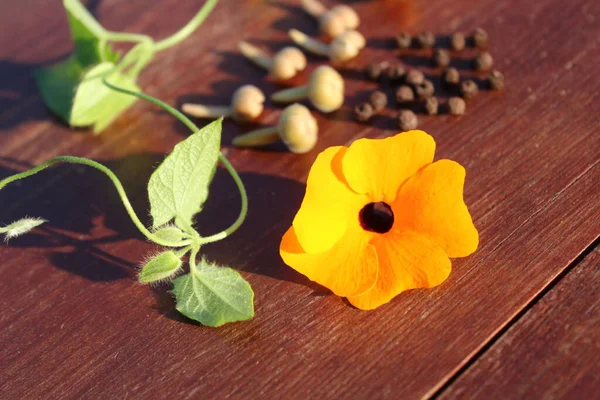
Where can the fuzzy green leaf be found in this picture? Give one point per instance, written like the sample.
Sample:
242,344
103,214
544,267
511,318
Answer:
179,186
214,295
161,267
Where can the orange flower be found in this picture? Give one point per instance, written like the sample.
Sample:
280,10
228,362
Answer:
380,217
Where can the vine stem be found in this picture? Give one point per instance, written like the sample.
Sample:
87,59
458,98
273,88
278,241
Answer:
236,177
189,28
115,181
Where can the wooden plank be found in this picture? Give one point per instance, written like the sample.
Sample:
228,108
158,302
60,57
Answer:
75,325
553,352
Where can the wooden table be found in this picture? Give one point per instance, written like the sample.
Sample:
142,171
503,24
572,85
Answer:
518,319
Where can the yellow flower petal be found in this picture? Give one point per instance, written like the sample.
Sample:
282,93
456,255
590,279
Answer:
379,167
431,204
349,268
329,204
406,261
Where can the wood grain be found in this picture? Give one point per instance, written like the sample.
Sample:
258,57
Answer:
74,323
553,352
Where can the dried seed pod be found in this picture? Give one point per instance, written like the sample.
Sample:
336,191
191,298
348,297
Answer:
363,112
405,94
431,106
424,90
468,89
456,106
496,80
332,22
378,100
395,73
426,40
325,90
451,76
407,120
344,47
457,41
484,61
297,128
414,77
285,64
374,70
441,58
404,40
247,104
480,38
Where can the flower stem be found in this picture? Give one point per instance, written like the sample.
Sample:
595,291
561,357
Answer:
115,181
189,28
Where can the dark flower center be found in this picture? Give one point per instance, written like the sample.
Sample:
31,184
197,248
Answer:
377,217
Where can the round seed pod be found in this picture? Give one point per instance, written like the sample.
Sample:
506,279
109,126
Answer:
431,106
457,41
363,112
468,89
298,129
426,40
405,94
424,90
407,120
374,71
456,106
451,77
496,80
378,100
395,73
403,40
480,38
484,62
441,58
414,77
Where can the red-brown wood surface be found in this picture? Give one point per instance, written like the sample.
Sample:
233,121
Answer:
553,352
75,324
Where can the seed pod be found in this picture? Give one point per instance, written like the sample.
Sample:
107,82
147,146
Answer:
441,58
246,105
405,94
484,62
496,80
468,89
325,90
480,38
395,73
426,40
424,90
456,106
363,112
374,70
414,77
457,41
451,77
407,120
344,47
431,106
378,100
297,128
285,64
332,22
403,40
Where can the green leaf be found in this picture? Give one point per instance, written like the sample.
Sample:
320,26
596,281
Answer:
170,234
214,295
79,97
161,267
21,227
179,186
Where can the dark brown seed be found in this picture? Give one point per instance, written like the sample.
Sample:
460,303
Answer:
425,90
431,106
456,106
457,41
403,40
363,112
373,71
468,89
395,73
496,80
480,38
404,94
451,77
378,100
407,120
414,77
484,61
426,40
441,58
